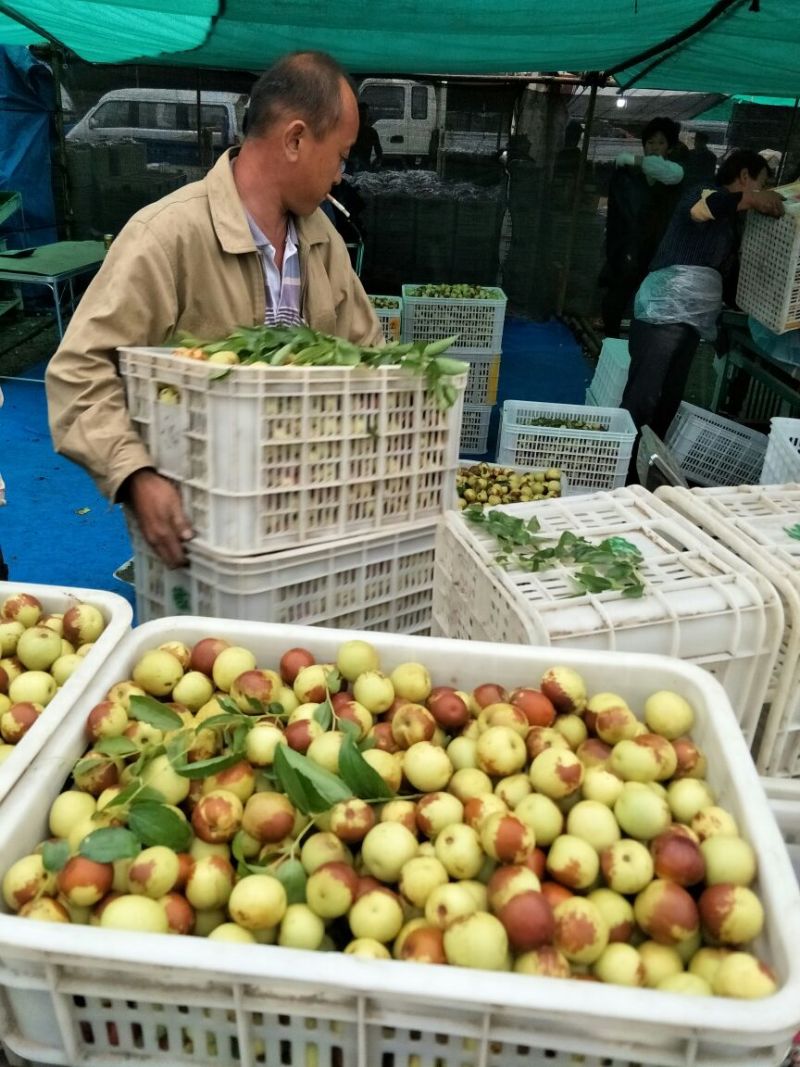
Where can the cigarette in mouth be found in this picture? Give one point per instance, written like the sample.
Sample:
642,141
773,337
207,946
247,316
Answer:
337,205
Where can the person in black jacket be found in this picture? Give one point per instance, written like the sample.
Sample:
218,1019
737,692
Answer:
641,197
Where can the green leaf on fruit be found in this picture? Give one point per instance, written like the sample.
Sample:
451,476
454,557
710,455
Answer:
292,876
154,823
363,779
333,681
310,787
793,531
116,746
257,705
367,744
55,854
206,767
146,709
86,766
276,708
216,722
323,714
229,705
348,728
110,843
135,790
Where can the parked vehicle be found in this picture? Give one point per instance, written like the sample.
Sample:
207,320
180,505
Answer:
165,120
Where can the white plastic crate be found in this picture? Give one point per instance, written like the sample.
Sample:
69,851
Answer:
276,457
713,450
769,271
390,318
475,429
701,602
591,459
92,997
378,582
611,374
57,599
478,323
782,460
784,800
483,377
752,521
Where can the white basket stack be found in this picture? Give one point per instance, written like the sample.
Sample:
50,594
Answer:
390,315
611,375
782,461
593,458
57,599
287,471
479,326
713,450
700,602
784,800
92,997
752,522
769,271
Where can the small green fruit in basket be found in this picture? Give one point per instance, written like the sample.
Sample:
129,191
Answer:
38,648
23,608
478,940
133,912
82,624
743,975
157,672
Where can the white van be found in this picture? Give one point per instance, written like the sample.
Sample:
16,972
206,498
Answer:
165,120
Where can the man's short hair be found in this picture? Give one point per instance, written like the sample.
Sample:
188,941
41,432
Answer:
307,85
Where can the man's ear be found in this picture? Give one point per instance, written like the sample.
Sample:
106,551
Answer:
293,135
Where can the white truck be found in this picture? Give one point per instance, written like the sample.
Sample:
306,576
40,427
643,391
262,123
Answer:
410,118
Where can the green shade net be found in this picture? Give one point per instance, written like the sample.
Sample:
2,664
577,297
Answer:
743,51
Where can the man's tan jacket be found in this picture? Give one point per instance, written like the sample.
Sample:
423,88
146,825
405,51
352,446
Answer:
187,262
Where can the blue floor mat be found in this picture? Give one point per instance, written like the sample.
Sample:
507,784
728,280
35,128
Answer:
56,528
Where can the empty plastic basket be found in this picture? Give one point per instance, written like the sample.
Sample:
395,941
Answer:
782,461
769,268
713,450
611,374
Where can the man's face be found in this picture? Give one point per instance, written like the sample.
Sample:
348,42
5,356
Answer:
320,160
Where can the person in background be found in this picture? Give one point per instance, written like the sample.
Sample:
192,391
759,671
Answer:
365,144
701,163
3,566
680,300
244,246
641,198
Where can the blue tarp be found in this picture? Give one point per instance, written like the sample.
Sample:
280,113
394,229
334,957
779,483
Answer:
27,101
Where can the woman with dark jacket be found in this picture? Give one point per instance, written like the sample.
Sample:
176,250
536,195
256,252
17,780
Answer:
681,298
641,197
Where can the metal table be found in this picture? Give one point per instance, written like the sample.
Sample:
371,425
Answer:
54,265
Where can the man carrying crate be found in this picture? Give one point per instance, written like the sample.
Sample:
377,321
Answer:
246,245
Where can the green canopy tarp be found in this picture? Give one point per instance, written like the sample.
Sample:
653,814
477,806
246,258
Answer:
753,47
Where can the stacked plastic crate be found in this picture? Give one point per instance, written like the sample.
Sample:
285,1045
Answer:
477,322
389,310
313,491
699,601
611,375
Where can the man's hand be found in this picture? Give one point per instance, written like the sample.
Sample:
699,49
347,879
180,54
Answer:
156,503
767,202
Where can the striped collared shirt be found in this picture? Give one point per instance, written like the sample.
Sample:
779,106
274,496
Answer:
281,288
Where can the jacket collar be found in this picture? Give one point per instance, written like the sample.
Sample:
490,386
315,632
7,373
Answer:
229,218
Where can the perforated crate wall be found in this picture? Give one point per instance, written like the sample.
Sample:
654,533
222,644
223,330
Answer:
591,459
379,582
277,457
478,323
483,377
611,375
782,460
701,602
390,318
475,429
769,272
712,450
753,521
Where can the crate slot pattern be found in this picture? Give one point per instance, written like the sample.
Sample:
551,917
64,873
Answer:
712,450
269,458
390,318
592,459
483,376
700,603
751,522
784,801
475,429
769,271
118,617
782,461
478,323
611,375
96,998
380,582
